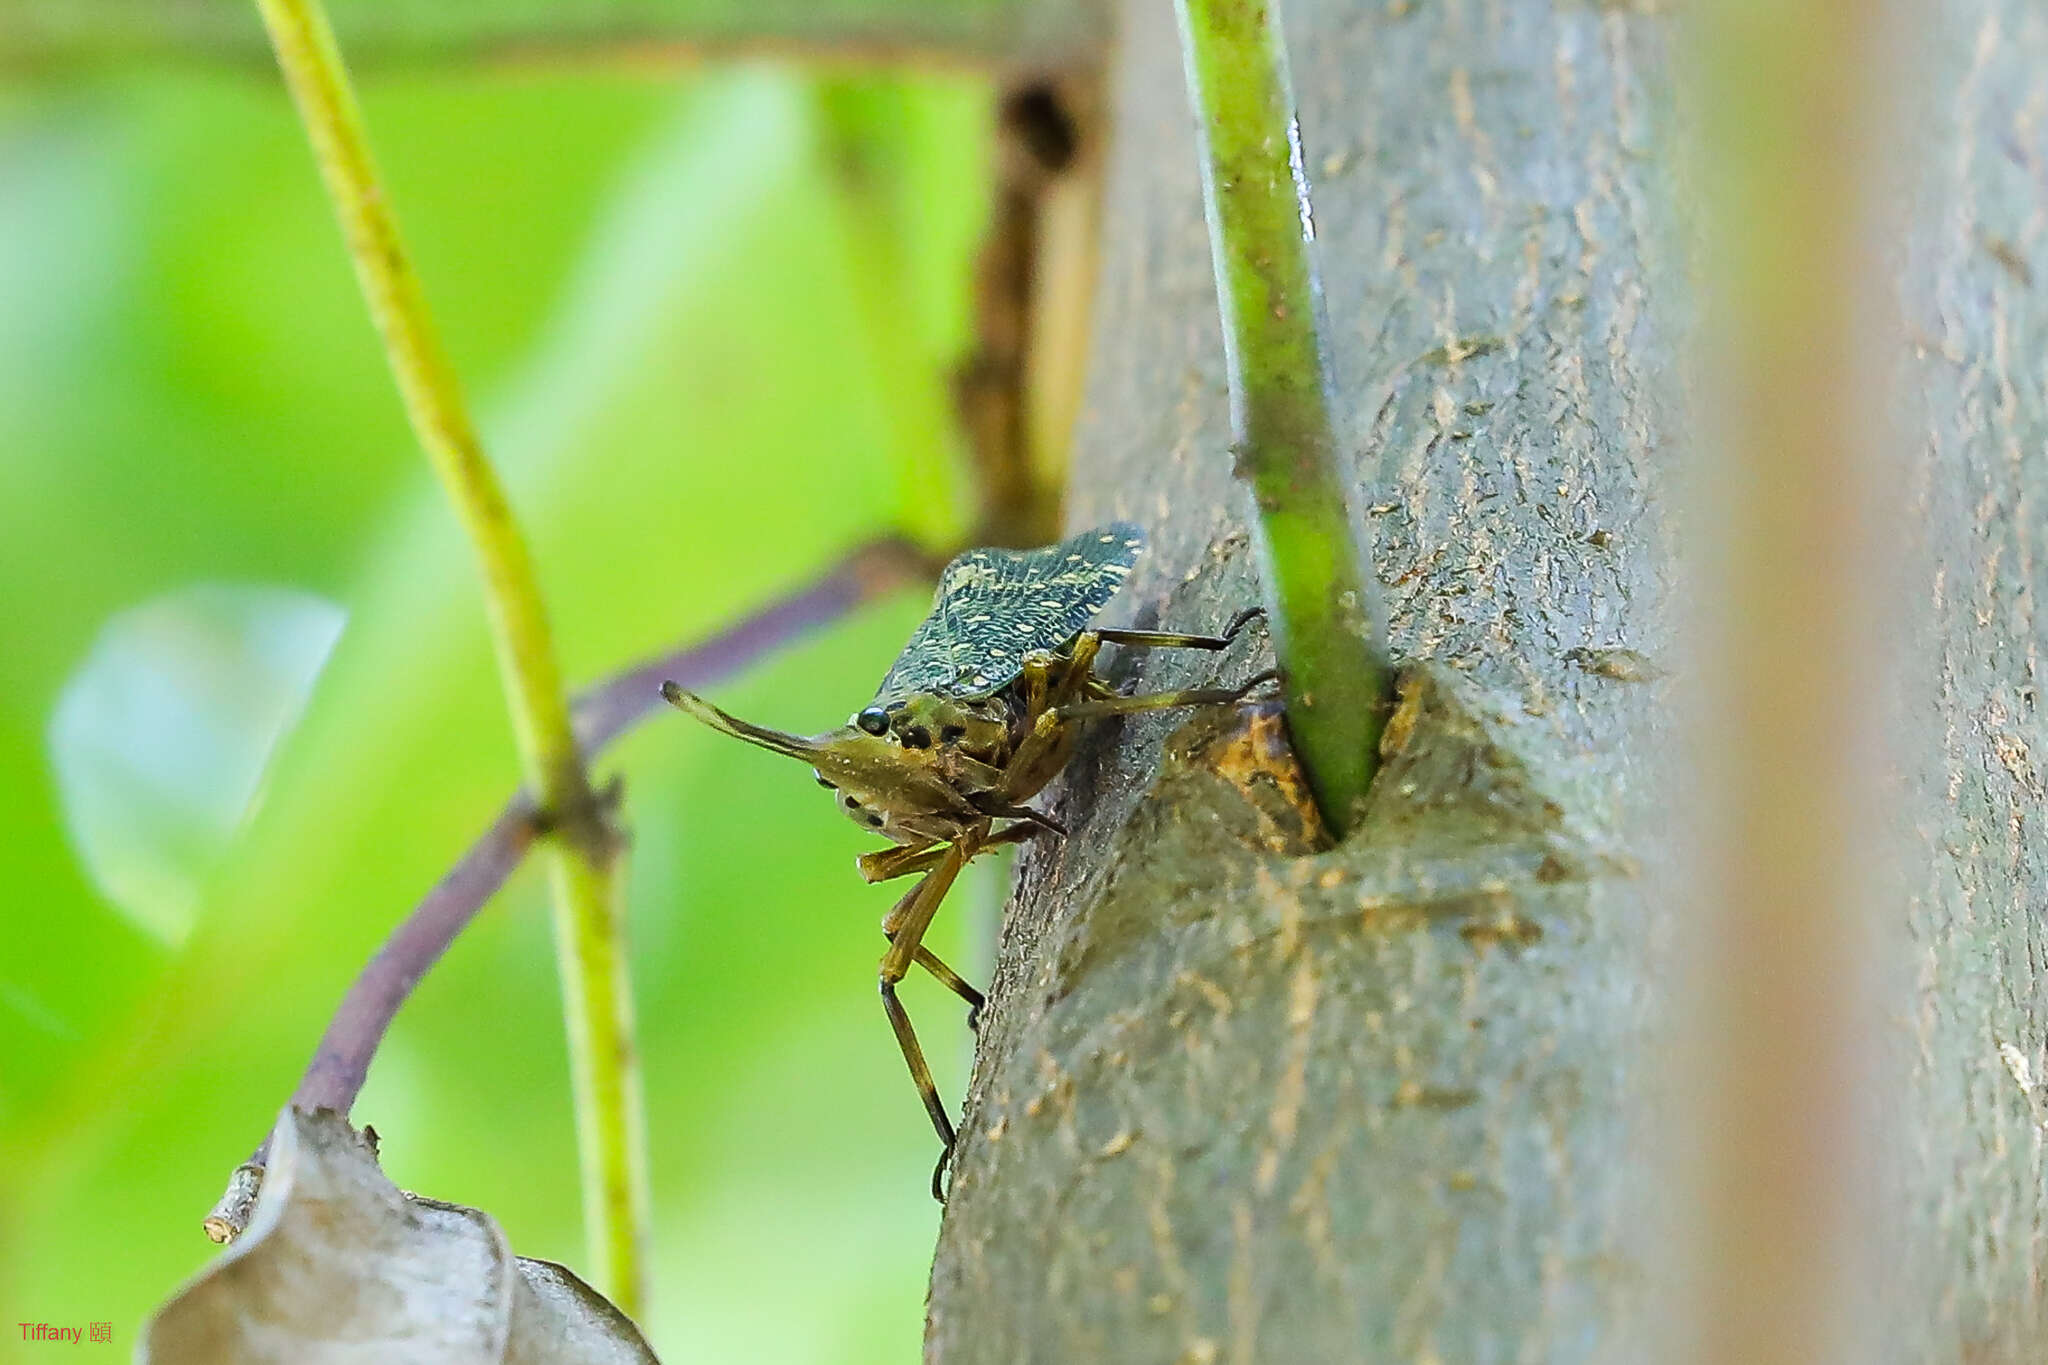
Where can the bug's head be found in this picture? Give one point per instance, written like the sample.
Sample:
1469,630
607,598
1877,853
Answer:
879,784
926,721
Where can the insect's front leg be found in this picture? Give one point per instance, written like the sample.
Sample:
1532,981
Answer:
906,926
886,864
950,979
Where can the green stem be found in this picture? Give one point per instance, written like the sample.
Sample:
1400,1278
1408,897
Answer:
1330,646
589,930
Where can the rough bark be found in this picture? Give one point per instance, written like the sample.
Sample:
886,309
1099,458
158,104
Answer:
1241,1097
1972,409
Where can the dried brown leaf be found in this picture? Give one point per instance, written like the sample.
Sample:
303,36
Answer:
340,1266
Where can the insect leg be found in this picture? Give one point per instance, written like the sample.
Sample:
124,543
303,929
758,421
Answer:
1045,732
905,926
1081,664
1159,701
892,925
1029,818
900,861
921,1075
953,982
1033,684
1167,639
886,864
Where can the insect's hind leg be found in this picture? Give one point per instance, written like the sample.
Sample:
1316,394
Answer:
1169,639
1117,705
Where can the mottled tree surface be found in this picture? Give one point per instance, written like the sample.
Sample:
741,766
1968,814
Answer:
1243,1098
1972,408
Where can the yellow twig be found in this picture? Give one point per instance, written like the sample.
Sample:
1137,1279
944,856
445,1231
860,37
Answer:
597,1000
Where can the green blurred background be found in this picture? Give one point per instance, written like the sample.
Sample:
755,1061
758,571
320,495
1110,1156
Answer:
707,321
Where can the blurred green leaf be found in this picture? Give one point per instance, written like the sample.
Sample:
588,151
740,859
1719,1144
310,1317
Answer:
655,294
161,737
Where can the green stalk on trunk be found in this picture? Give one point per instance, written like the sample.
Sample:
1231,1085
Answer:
1325,622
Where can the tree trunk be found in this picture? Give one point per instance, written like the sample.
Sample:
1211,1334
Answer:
1244,1096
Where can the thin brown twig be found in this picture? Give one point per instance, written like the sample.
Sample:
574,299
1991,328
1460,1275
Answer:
603,712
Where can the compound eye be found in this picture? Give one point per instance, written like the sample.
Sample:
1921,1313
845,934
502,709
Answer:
874,720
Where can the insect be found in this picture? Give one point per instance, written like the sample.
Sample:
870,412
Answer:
979,712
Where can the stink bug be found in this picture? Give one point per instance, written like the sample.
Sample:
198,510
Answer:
979,712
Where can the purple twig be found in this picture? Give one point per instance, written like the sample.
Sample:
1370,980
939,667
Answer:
604,712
